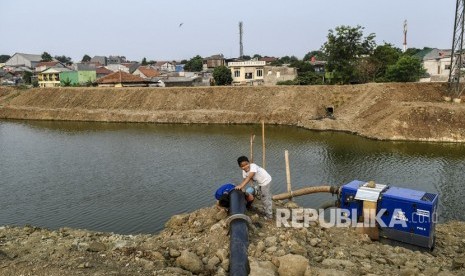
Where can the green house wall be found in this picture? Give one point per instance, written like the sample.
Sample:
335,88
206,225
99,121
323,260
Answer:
78,77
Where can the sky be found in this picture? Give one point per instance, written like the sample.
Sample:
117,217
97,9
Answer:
152,29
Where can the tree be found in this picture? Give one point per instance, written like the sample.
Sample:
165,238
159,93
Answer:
383,57
66,82
46,57
86,58
64,59
222,75
302,66
418,53
287,82
406,69
288,59
27,77
284,60
144,62
373,68
4,58
257,56
319,55
344,47
195,64
366,69
308,78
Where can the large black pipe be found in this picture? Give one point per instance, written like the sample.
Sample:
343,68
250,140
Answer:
239,236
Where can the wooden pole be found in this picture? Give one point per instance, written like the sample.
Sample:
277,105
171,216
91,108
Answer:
263,143
252,137
288,172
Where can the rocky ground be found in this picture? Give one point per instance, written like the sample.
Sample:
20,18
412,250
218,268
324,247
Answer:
198,244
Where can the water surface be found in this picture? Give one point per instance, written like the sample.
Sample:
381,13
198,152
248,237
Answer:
131,178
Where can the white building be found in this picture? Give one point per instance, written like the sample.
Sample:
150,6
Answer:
437,65
27,60
249,72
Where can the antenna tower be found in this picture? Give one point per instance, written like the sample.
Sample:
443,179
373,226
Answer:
241,47
405,36
456,57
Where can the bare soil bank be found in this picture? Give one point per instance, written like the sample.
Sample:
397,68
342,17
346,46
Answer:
393,111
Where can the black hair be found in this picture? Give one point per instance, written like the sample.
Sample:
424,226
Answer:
242,159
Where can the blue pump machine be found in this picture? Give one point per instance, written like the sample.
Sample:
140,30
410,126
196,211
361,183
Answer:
405,215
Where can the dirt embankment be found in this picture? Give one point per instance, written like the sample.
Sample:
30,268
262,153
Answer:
413,111
198,243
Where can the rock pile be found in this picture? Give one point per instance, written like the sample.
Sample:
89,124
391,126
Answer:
198,244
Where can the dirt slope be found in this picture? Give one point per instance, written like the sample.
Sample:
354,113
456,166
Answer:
414,111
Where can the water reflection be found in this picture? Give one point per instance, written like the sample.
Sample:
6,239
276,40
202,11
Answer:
131,178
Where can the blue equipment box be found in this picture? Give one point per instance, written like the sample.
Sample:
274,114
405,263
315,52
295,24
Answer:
406,215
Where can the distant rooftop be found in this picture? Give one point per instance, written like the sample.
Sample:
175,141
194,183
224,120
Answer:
120,77
437,54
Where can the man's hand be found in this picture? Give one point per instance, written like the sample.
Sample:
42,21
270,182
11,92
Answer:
238,187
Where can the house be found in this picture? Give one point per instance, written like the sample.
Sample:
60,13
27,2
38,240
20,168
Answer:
99,59
318,65
117,68
20,59
273,74
268,60
146,72
51,77
17,70
132,66
249,72
213,61
44,65
83,66
7,78
437,65
181,81
102,72
180,67
116,59
128,67
77,77
165,66
121,79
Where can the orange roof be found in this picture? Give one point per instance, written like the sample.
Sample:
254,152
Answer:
120,77
148,72
103,70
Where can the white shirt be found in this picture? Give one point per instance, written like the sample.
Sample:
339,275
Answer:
261,176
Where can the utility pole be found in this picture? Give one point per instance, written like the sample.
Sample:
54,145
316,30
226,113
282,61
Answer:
456,58
241,47
405,37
